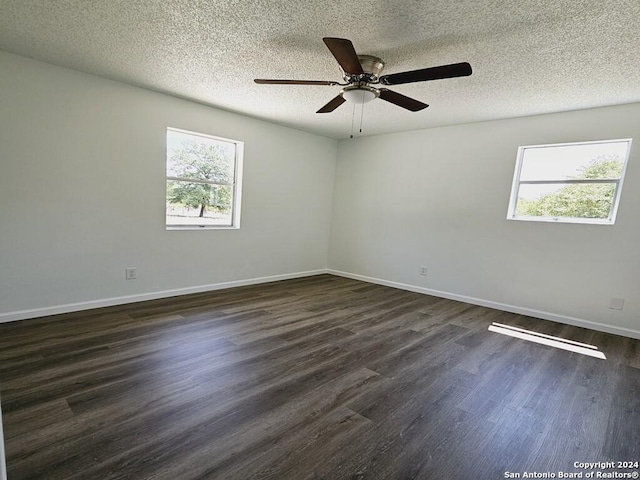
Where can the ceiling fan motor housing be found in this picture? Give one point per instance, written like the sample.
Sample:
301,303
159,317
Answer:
372,68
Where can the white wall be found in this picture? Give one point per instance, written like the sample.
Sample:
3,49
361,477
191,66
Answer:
439,198
82,197
82,188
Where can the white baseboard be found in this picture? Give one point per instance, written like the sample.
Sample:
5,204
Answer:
141,297
578,322
108,302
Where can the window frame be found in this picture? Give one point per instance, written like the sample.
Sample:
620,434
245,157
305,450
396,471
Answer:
515,186
236,185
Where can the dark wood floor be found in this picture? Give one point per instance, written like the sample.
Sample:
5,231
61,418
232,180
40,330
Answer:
317,378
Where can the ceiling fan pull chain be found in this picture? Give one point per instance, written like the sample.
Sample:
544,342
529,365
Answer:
353,117
362,112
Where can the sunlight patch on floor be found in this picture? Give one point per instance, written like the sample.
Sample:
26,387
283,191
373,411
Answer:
557,342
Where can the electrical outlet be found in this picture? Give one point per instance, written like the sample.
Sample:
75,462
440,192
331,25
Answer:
423,271
130,273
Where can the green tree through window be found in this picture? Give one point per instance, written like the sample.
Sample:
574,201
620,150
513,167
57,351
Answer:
204,162
202,183
577,182
579,200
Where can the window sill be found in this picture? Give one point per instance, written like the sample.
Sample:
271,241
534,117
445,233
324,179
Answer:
202,227
583,221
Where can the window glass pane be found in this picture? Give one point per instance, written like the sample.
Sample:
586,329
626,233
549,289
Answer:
577,200
204,180
192,203
564,162
200,157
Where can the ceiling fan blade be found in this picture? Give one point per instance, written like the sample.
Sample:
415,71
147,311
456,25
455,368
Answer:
332,105
434,73
264,81
401,100
345,54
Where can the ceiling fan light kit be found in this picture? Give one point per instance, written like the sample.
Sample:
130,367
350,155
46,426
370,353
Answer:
360,94
362,71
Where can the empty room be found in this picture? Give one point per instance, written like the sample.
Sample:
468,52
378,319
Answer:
319,240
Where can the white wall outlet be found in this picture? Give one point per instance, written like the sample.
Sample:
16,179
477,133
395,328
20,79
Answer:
130,273
616,304
423,271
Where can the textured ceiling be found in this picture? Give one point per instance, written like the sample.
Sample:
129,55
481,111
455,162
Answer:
529,56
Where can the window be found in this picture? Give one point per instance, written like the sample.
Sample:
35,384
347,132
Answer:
569,182
204,176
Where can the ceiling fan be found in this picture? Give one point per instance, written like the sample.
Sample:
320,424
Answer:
360,72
